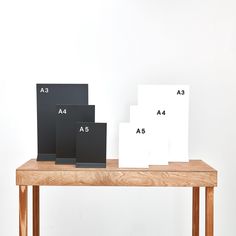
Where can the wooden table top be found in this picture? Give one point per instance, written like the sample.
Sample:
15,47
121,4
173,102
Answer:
176,174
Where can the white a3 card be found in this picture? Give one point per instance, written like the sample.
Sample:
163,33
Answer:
176,100
132,146
157,139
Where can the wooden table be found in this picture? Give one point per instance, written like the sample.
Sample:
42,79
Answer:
194,174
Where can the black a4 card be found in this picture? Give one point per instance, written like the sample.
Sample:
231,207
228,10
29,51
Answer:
66,118
48,95
91,139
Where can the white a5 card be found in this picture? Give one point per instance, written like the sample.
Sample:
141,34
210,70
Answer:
156,120
133,152
176,99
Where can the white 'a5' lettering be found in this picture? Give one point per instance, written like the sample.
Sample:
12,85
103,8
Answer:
84,129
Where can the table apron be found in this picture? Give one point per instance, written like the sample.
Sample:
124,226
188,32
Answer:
117,178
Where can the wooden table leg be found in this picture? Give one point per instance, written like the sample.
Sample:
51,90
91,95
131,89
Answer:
36,214
209,224
195,212
23,216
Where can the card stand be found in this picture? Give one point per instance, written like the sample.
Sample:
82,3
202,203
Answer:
155,118
48,95
142,144
46,157
66,118
91,139
133,140
175,100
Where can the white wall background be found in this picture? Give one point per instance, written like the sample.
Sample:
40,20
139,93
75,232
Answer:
114,45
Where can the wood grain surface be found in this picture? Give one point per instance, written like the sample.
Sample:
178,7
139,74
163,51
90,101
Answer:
209,211
36,212
195,211
194,173
23,208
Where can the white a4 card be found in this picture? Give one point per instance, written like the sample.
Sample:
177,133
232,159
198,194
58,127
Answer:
176,99
157,142
133,151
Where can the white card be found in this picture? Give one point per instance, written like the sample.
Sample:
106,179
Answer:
158,146
133,152
156,120
176,99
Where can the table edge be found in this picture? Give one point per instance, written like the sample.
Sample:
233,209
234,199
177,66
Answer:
211,169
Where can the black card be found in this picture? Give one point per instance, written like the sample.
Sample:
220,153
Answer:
91,144
66,118
48,95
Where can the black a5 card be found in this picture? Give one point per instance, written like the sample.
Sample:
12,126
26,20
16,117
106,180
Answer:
66,118
48,95
91,139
